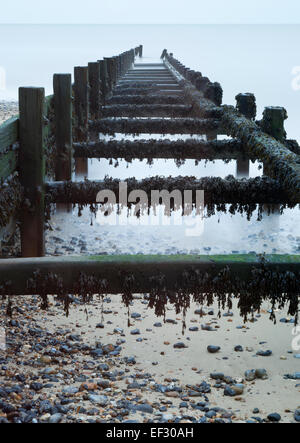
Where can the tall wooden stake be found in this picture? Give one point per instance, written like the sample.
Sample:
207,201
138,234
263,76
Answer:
32,170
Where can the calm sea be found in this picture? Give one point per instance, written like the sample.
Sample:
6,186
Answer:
254,58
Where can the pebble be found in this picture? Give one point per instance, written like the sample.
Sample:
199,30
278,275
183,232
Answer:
135,332
274,417
297,415
100,400
264,353
239,348
180,345
213,349
56,418
146,408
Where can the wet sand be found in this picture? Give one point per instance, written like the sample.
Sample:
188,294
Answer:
157,365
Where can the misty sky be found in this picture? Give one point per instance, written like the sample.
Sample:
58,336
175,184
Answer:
150,11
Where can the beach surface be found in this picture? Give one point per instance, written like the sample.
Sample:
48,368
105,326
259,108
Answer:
95,366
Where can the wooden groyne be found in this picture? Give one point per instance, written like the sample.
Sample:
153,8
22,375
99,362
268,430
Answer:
40,148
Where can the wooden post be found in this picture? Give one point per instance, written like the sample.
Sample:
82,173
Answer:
246,105
95,91
273,122
81,90
62,87
103,78
32,170
141,50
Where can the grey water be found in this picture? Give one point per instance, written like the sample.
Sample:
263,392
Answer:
263,59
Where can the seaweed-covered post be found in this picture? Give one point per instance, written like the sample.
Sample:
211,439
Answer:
81,100
273,122
95,92
62,87
246,105
109,68
104,80
32,170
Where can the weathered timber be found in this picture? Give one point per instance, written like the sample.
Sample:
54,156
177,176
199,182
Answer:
154,126
147,111
153,99
8,162
147,91
62,86
32,170
95,90
150,149
216,190
108,274
9,133
246,105
273,122
11,197
282,164
104,80
200,103
81,103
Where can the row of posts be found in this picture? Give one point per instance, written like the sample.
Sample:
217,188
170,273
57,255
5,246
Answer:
74,105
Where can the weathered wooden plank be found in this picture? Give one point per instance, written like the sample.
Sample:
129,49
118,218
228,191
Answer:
141,269
62,86
8,163
32,170
155,126
150,149
216,190
81,90
147,111
9,133
95,92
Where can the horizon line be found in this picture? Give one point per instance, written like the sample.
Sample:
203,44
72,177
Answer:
151,24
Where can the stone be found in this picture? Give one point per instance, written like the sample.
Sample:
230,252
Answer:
261,374
229,392
213,349
70,390
135,332
238,389
264,353
179,345
297,415
194,329
274,417
217,376
100,400
250,375
239,349
146,408
56,418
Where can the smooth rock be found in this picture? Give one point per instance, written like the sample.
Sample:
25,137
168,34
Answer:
213,349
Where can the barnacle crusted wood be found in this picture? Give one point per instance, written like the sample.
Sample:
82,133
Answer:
175,279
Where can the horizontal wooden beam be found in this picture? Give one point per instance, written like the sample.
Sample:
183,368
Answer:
131,273
168,149
216,190
155,126
154,99
146,110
